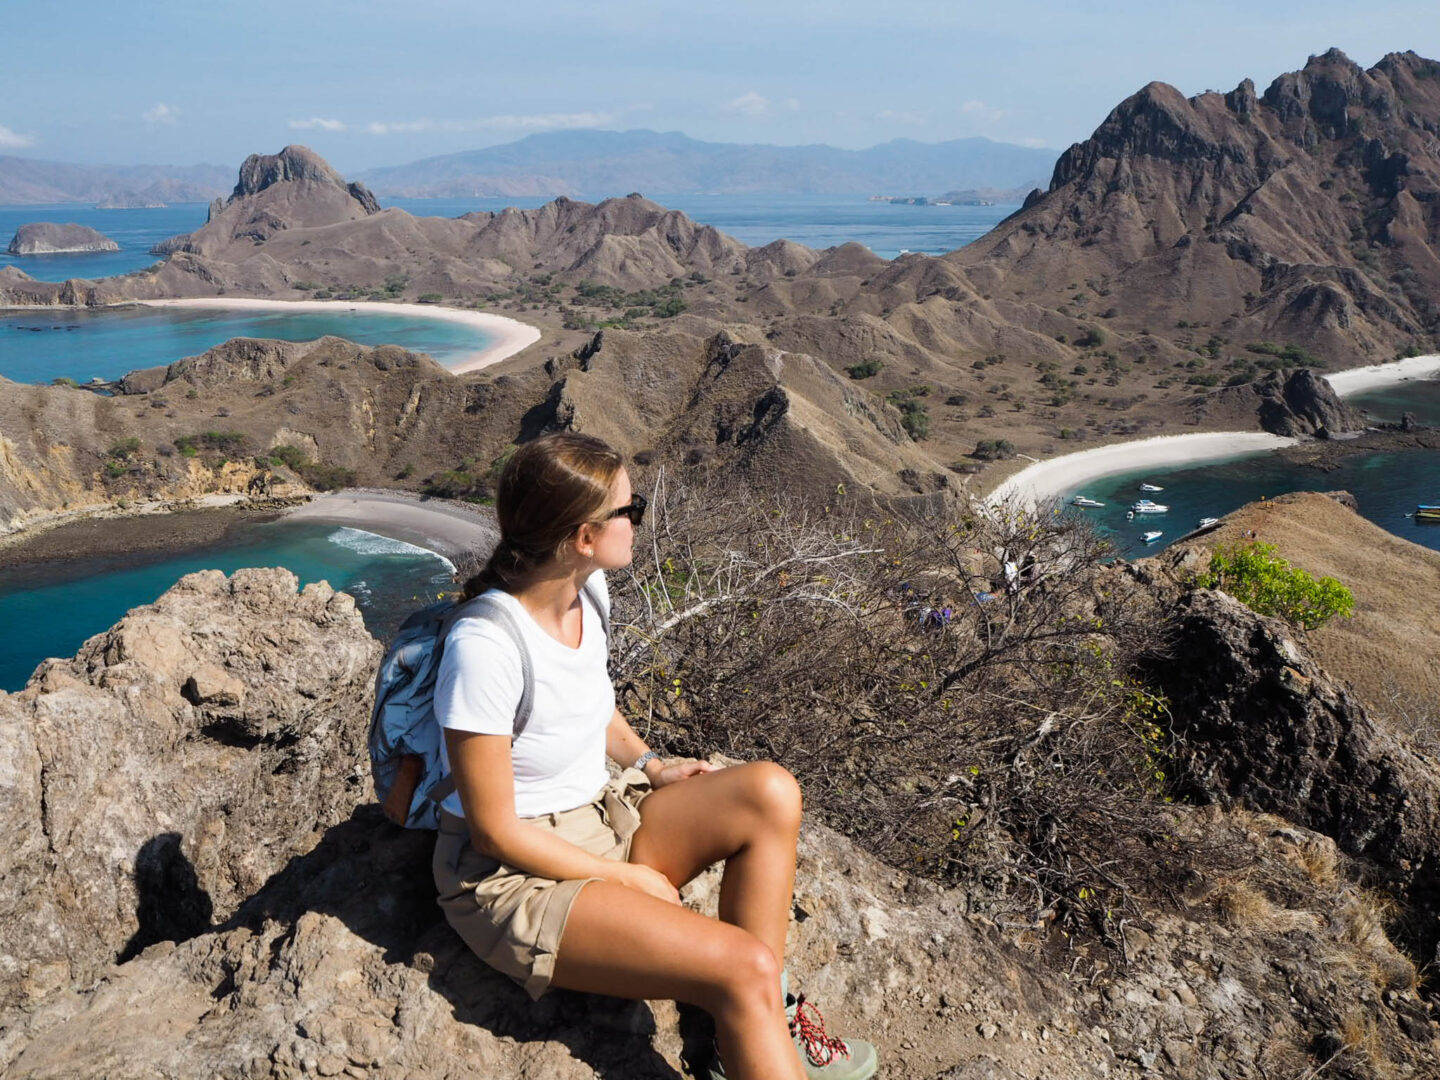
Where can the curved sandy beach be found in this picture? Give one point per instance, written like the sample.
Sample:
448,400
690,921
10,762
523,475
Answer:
450,530
1058,478
1357,380
507,336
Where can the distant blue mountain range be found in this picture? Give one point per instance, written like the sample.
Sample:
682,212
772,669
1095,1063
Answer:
602,163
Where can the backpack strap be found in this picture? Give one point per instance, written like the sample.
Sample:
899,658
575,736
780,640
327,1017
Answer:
501,615
497,613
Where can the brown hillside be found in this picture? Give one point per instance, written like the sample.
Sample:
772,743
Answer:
1387,652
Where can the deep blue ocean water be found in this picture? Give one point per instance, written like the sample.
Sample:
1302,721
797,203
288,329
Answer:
40,345
49,610
1386,486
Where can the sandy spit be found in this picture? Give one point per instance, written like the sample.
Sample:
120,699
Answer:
1356,380
1060,477
446,528
508,336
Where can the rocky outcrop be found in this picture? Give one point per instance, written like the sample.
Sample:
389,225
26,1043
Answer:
295,188
1263,726
159,778
1288,403
48,238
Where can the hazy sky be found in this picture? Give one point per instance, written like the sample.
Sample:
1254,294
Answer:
368,83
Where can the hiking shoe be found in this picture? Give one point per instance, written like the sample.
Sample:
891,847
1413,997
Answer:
826,1057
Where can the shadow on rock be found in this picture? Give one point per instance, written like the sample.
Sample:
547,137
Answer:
172,905
375,878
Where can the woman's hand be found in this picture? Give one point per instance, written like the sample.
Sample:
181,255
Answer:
676,771
648,880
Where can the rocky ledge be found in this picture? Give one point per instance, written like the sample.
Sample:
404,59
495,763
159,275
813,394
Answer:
197,884
48,238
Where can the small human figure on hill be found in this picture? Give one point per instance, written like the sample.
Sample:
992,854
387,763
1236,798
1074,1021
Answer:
556,875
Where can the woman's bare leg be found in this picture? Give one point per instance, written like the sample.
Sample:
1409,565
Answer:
749,816
624,943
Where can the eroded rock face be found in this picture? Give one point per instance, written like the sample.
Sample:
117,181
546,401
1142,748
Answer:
1266,727
157,779
48,238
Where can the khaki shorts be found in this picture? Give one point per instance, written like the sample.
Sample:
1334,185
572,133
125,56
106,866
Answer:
512,920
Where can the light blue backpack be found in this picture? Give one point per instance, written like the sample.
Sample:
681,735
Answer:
403,722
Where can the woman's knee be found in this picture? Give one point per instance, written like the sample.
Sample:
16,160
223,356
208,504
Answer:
750,978
775,793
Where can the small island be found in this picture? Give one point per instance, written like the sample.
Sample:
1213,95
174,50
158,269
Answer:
48,238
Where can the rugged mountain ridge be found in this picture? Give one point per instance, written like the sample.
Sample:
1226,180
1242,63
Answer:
1310,213
1185,261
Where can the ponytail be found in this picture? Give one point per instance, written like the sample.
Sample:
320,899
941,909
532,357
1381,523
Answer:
548,489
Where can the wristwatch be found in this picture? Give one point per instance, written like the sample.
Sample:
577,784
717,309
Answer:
644,759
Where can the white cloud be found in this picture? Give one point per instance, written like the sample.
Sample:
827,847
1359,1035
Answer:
317,123
161,114
749,103
981,111
13,140
507,122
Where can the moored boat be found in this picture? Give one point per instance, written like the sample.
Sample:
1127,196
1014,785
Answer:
1145,506
1424,512
1081,500
1152,536
1206,522
1151,487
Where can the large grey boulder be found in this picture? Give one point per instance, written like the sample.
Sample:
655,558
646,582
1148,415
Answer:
160,777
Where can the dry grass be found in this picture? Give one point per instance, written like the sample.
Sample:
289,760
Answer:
1387,652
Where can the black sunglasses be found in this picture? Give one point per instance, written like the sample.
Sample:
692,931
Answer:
634,510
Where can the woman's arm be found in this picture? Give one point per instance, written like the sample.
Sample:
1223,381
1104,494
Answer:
626,748
485,779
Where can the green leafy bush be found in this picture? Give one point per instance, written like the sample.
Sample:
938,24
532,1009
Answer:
1259,578
993,449
864,369
914,416
124,448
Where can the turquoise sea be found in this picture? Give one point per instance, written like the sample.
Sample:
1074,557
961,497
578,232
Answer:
49,610
41,345
1386,486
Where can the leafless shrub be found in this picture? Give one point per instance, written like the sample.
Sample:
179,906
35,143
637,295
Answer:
957,696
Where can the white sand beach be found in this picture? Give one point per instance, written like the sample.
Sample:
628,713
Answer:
508,336
448,529
1059,477
1357,380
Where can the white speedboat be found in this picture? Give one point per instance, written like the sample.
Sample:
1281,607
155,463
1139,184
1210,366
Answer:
1152,536
1151,487
1145,506
1081,500
1205,523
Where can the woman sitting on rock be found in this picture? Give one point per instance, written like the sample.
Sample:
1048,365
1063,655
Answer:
558,876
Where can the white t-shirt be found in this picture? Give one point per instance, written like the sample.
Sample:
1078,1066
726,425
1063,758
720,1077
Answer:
559,759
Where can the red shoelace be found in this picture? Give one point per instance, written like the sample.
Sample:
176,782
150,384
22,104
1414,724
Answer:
822,1049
